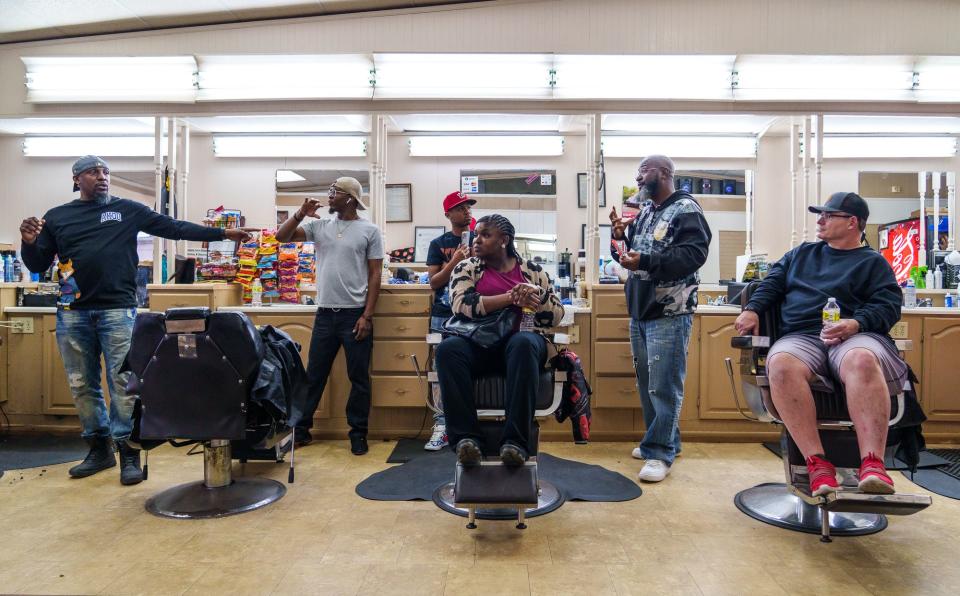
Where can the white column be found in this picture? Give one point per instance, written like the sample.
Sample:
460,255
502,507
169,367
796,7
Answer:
171,245
935,183
793,183
818,198
592,235
748,189
376,152
157,190
805,183
922,189
183,170
952,210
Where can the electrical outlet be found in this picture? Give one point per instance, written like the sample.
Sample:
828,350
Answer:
22,324
900,330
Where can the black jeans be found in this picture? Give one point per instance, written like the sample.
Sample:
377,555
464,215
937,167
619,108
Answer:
459,361
331,329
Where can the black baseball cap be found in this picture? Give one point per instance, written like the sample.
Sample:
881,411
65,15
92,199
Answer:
846,202
87,162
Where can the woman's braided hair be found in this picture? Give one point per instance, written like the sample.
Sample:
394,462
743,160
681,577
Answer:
506,228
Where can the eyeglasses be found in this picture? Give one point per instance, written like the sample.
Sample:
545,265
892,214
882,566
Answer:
826,215
334,190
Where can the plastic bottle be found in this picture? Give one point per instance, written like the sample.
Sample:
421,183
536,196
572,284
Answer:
256,293
527,320
3,269
910,295
831,312
929,280
938,278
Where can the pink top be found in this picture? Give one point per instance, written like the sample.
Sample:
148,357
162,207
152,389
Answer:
494,283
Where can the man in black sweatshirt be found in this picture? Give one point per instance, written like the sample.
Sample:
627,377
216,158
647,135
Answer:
856,351
95,240
665,245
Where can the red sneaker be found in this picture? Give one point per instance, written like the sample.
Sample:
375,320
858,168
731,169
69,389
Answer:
823,476
873,477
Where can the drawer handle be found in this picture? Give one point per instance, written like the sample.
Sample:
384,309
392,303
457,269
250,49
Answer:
399,391
399,356
404,302
626,355
625,390
402,328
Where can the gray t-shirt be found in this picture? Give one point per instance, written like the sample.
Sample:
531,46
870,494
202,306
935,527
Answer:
342,262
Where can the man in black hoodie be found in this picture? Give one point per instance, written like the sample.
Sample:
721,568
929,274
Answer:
665,245
95,240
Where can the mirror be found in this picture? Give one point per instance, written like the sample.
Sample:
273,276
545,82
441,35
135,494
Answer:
294,185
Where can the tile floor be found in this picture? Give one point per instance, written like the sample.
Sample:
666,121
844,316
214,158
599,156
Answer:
683,536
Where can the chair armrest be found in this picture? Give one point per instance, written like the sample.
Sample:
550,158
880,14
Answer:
434,339
904,345
749,342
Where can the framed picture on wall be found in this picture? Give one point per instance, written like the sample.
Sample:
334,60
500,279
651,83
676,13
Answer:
583,192
282,216
605,236
422,235
399,203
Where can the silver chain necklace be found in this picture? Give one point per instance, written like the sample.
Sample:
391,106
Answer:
339,231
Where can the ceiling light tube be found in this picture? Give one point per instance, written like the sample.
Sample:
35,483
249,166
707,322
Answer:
486,146
110,79
830,78
463,76
938,79
289,146
680,146
289,176
643,77
103,146
894,147
265,77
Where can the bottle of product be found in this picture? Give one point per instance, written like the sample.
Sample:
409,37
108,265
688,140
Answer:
831,312
910,295
527,320
3,268
17,269
938,278
928,279
256,293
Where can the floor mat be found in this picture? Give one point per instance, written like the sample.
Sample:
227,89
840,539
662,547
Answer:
928,459
407,449
944,481
32,451
417,479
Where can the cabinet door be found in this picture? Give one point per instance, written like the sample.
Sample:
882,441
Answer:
716,399
300,328
161,301
57,398
941,375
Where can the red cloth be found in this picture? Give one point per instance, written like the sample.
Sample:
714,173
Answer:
494,283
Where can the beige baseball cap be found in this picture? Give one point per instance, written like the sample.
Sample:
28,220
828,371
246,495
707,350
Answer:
352,187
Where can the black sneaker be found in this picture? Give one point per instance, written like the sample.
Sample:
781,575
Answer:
512,455
358,445
468,452
130,472
100,457
302,437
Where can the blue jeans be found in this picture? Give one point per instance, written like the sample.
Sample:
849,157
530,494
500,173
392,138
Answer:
660,358
436,326
82,335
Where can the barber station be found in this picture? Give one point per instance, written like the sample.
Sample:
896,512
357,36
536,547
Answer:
326,298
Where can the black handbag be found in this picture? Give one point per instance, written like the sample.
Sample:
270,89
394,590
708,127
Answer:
488,331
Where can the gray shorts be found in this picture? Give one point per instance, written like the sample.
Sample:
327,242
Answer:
825,361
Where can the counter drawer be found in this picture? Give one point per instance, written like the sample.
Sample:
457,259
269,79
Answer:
613,329
394,356
610,303
616,392
160,302
401,327
613,358
396,392
403,304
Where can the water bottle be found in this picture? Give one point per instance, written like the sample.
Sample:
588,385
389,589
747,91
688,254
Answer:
256,293
831,313
527,321
3,269
17,269
948,300
910,294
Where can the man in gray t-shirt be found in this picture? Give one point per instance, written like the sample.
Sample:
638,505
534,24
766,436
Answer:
349,258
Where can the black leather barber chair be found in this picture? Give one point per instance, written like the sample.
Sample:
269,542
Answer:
194,371
790,505
493,490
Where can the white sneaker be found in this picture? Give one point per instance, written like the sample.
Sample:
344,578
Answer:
438,440
654,471
637,455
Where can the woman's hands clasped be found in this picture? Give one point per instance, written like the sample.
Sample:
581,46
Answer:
526,296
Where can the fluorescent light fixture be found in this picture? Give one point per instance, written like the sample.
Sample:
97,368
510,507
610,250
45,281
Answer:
692,124
680,146
264,77
486,146
885,125
463,76
289,146
643,77
938,79
103,146
110,79
871,146
830,78
289,176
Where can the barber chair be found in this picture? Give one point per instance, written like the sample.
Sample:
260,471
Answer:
492,490
790,505
194,371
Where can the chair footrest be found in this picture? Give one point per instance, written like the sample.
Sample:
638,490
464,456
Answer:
492,483
895,504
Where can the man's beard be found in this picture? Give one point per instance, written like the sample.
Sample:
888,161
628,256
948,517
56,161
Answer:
648,191
101,195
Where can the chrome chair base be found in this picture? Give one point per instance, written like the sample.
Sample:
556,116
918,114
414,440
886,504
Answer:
773,504
549,499
194,500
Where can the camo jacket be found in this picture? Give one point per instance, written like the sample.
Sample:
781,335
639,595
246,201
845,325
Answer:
673,240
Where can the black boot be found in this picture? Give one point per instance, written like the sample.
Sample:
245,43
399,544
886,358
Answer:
99,458
130,472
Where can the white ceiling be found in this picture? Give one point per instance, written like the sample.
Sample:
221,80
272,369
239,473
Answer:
30,20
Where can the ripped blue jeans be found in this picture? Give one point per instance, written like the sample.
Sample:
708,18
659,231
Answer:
82,335
660,359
